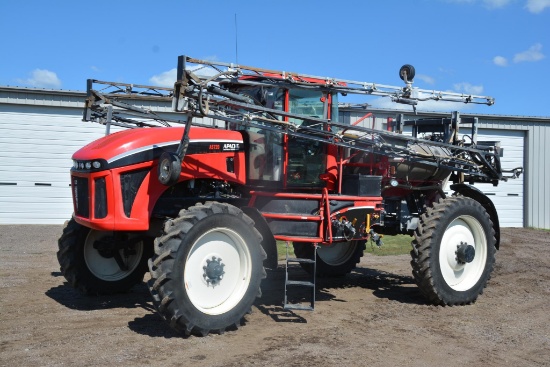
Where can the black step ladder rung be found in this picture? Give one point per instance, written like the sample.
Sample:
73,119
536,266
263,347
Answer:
300,283
300,260
297,306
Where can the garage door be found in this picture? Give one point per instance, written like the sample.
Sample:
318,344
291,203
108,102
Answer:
36,145
507,196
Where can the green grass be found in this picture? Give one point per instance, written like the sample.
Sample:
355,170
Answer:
281,250
393,245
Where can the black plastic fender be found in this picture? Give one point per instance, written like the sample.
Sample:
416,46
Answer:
480,197
268,243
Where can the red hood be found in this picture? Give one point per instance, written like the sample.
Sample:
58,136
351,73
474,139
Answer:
125,141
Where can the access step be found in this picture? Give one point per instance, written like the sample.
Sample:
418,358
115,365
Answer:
299,282
300,260
310,285
297,306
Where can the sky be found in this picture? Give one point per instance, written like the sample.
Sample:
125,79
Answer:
497,48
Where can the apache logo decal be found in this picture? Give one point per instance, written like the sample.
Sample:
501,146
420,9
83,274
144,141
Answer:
231,147
205,147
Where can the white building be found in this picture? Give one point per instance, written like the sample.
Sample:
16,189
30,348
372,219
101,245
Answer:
40,130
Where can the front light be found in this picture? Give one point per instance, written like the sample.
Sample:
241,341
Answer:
96,164
88,165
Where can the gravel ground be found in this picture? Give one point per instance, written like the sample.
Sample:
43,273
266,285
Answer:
374,316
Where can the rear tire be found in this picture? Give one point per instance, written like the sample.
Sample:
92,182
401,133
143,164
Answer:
337,259
207,269
453,251
96,272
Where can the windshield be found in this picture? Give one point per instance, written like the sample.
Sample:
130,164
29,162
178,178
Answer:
306,102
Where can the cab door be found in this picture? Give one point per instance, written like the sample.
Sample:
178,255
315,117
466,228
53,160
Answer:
307,159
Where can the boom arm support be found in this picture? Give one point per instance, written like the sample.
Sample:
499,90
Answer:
405,95
203,94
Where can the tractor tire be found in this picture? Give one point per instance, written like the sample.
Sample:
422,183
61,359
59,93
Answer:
95,272
207,269
453,251
335,260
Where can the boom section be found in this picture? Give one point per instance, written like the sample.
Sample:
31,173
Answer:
214,90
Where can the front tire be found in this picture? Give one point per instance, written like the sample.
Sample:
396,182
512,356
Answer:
337,259
453,251
93,269
207,269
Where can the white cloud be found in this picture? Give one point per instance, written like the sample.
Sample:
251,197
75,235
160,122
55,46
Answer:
95,68
165,79
537,6
430,105
495,4
426,79
468,88
490,4
443,106
534,53
533,6
168,78
500,61
42,78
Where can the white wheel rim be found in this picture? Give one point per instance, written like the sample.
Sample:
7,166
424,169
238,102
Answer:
336,253
105,268
463,276
231,248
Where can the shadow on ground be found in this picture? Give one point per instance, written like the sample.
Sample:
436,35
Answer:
381,284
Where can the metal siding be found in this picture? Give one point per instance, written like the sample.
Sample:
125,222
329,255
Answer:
38,137
539,175
536,163
541,172
536,166
528,208
537,188
37,140
35,151
508,197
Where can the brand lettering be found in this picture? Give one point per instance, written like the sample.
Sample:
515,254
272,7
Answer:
231,146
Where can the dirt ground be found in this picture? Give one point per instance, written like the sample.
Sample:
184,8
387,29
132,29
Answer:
374,316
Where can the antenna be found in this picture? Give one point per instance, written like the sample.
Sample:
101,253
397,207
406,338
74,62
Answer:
236,42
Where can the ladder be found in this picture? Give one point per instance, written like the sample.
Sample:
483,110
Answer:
300,283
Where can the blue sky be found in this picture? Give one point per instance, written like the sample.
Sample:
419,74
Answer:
499,48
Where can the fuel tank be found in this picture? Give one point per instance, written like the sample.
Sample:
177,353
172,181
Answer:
416,170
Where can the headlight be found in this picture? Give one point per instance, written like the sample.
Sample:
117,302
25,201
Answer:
89,165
